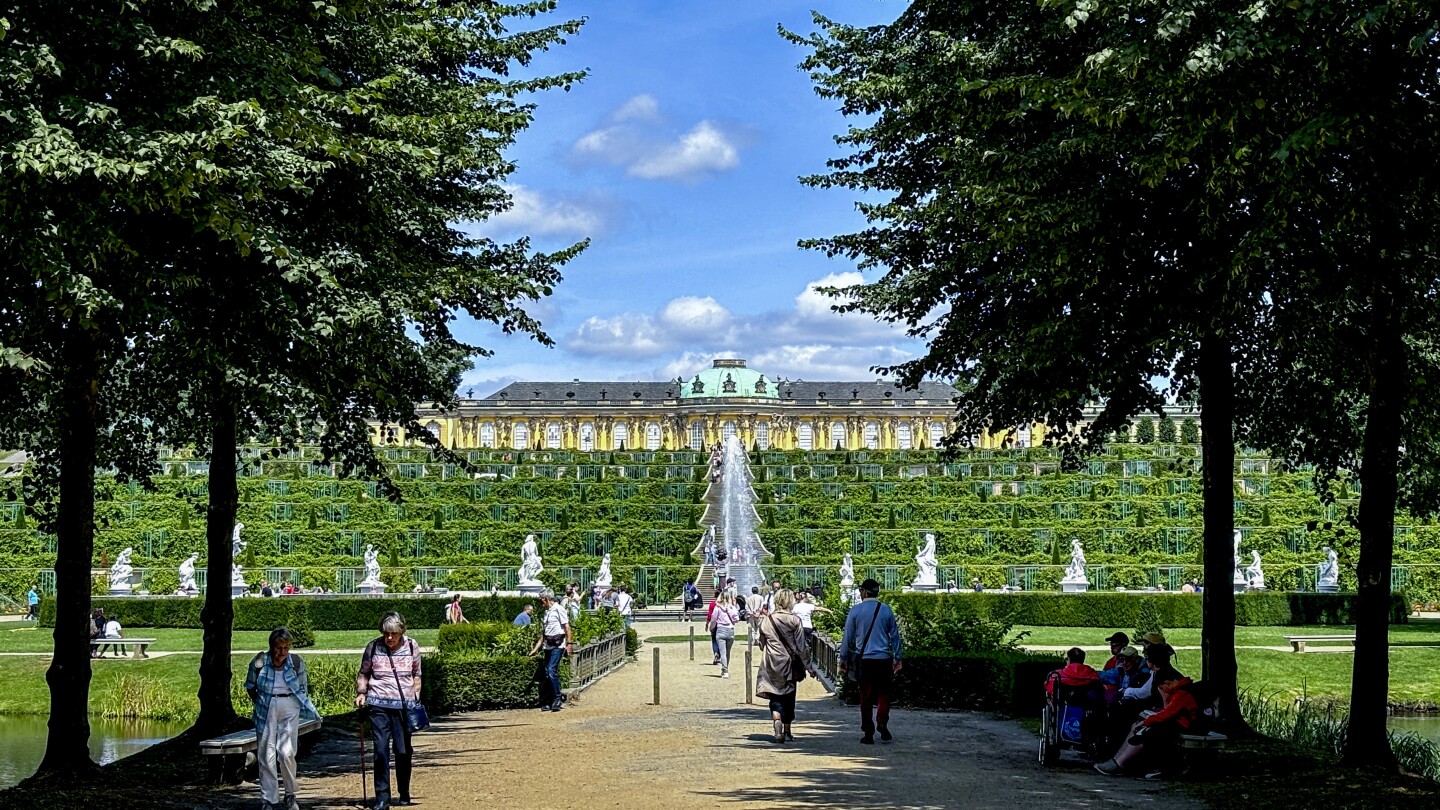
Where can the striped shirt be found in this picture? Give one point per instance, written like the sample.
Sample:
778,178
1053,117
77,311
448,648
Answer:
387,670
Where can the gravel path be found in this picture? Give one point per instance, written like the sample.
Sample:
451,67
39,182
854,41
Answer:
703,746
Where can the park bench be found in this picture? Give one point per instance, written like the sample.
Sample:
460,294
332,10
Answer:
228,755
140,645
1299,642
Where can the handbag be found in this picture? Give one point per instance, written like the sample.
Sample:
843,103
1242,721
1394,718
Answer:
852,671
799,664
415,715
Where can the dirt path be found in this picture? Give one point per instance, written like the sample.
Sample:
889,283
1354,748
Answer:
703,746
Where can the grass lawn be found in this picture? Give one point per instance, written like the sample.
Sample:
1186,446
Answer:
27,637
1415,633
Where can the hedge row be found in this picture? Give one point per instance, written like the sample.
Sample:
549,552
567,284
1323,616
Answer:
1011,682
1270,609
461,682
326,613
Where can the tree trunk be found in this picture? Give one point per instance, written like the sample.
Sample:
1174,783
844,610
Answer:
67,750
1217,446
218,616
1367,744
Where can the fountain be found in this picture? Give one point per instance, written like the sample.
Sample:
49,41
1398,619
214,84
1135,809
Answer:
738,518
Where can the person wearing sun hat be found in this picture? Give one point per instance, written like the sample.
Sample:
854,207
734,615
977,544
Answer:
1117,641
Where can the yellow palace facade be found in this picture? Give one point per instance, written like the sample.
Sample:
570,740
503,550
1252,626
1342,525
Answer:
727,399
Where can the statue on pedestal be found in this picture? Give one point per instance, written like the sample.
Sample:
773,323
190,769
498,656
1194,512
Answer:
530,565
237,573
1075,580
847,579
1239,578
372,568
1254,575
187,577
120,574
1329,573
603,577
927,578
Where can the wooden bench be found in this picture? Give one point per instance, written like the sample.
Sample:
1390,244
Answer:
228,755
1299,642
140,644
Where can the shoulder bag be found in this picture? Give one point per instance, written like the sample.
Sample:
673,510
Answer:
415,715
853,672
799,662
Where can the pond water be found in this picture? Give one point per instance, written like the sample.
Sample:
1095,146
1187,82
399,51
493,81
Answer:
22,742
1424,725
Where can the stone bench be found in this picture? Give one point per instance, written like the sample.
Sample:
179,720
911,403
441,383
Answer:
1299,642
140,645
229,755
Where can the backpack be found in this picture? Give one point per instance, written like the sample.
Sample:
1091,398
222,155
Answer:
744,614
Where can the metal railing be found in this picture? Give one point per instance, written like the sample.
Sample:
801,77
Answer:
594,661
825,657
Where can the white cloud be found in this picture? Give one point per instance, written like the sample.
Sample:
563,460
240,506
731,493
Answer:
637,139
537,214
691,316
625,335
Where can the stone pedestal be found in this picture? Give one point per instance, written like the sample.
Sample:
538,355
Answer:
372,588
239,590
122,590
1240,587
1074,587
924,587
1327,588
531,589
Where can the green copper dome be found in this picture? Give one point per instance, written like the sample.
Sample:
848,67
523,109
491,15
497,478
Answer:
729,378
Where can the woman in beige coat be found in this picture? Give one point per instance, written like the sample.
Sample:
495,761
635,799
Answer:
783,662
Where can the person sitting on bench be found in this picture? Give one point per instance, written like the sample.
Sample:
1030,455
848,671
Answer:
1153,740
1075,674
112,630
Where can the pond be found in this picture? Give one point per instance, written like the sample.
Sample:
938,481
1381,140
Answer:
22,742
1423,725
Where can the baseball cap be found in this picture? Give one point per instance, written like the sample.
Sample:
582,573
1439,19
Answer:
1129,652
1120,638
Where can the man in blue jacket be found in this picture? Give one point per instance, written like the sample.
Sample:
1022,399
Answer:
871,646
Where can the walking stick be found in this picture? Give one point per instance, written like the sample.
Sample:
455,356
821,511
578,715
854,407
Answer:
364,788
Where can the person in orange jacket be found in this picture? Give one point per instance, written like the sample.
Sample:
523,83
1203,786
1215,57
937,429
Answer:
1074,673
1156,732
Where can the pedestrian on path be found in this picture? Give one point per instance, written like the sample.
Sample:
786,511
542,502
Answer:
388,683
33,599
806,607
723,619
783,662
692,599
278,686
557,639
871,650
454,614
753,603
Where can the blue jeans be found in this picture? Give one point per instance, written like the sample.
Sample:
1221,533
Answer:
552,672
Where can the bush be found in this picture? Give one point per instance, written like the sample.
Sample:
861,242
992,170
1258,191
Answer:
473,637
997,681
469,681
325,613
1149,620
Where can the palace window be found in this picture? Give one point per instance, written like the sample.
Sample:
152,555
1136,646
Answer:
587,437
837,436
762,435
521,436
621,436
652,436
697,435
487,435
937,434
805,435
902,437
1022,436
552,436
726,431
872,436
434,429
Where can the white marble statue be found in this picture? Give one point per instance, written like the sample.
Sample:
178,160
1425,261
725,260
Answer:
1239,566
530,564
120,573
372,565
237,573
187,576
603,577
847,579
1075,580
1329,573
927,578
1255,575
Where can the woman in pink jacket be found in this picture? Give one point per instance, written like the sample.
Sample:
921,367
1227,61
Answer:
723,620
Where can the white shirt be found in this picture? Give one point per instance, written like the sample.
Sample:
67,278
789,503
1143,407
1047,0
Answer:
623,603
1141,692
555,621
804,611
112,629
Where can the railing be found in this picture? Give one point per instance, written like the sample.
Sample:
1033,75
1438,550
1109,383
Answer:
825,657
594,661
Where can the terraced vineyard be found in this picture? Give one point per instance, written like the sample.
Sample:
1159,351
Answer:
1005,517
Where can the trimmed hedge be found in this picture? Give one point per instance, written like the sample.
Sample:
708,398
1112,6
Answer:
473,637
462,682
1011,682
1270,609
322,613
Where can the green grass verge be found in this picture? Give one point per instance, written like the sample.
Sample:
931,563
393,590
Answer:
1417,632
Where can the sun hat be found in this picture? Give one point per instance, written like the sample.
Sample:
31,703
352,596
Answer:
1154,638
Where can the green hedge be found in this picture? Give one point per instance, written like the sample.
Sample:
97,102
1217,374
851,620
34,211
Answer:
473,637
461,682
323,613
1123,609
1011,682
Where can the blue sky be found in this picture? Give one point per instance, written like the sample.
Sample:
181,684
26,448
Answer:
679,157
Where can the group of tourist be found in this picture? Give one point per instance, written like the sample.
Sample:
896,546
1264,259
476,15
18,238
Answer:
101,628
1144,704
288,588
387,692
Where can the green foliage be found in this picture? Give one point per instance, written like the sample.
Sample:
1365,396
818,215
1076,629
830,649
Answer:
1190,430
327,613
472,637
1148,620
1004,680
472,681
1145,431
1166,434
1055,551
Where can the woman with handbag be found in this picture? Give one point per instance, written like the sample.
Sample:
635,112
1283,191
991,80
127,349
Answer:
723,619
388,688
783,663
277,685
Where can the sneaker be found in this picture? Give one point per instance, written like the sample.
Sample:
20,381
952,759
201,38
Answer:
291,803
868,740
1155,776
789,737
403,801
885,734
556,706
724,673
1109,768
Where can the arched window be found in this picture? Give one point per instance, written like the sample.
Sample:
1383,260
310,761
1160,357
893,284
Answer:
1022,436
697,436
762,435
587,437
487,435
872,436
433,429
621,436
520,436
837,436
652,436
727,430
937,434
805,436
552,436
902,437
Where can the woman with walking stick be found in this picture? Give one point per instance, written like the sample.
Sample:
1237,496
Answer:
277,684
388,685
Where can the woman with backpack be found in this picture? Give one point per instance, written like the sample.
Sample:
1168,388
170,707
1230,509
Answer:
387,688
784,662
280,690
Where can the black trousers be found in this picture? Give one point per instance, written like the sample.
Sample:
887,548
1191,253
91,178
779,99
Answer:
784,706
389,729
